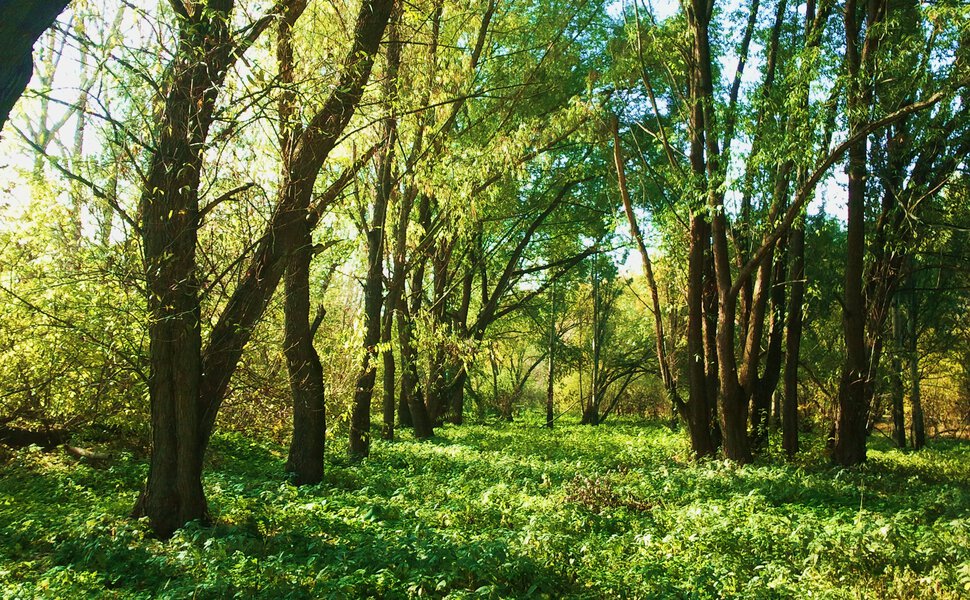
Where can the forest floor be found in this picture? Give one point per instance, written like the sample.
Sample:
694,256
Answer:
500,510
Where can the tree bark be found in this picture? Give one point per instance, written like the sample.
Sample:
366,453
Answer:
853,409
307,444
457,386
359,444
793,340
310,151
918,432
699,409
896,380
438,375
410,383
550,384
666,371
306,455
22,22
169,208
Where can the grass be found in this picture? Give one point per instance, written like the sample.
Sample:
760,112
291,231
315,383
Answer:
504,510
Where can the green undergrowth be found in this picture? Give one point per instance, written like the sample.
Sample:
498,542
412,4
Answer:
500,510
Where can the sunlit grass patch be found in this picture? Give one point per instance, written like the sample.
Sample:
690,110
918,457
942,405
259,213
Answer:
505,510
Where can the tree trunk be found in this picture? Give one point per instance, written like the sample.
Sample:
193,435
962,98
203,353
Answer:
22,22
359,444
793,340
764,389
394,305
896,380
550,385
188,386
699,410
410,393
438,372
410,382
814,24
456,390
666,372
456,394
733,399
388,376
853,411
169,209
918,432
306,456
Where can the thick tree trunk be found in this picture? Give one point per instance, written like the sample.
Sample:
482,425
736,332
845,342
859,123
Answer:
699,410
764,389
438,375
760,404
814,24
410,382
187,387
394,304
169,208
456,390
850,434
373,298
413,404
248,303
456,394
306,456
711,363
853,409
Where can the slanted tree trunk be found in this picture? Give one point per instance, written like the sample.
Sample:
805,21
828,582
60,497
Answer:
282,233
666,371
22,22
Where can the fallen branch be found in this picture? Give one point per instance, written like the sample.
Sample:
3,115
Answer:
85,453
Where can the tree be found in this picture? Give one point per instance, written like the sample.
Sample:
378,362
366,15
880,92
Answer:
187,385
